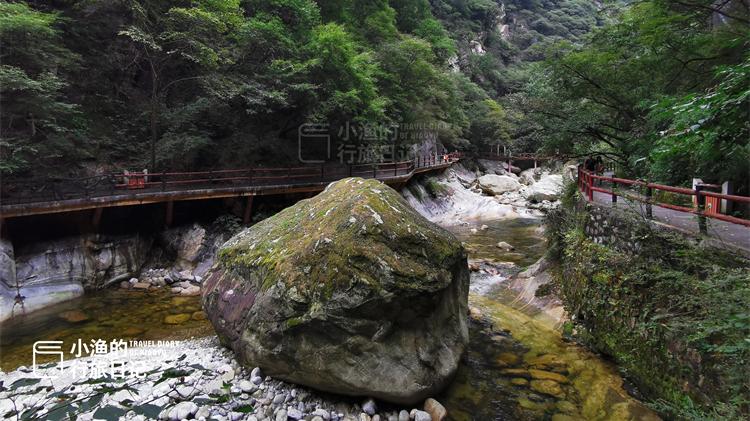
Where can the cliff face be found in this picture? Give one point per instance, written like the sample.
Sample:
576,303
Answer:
52,271
49,272
492,37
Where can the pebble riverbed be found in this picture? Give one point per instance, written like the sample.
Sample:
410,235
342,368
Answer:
188,379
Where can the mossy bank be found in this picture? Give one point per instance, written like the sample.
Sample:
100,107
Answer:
672,311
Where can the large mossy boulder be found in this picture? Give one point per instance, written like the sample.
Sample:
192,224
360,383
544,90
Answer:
350,292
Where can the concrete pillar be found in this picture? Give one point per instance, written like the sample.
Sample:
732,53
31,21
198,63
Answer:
726,205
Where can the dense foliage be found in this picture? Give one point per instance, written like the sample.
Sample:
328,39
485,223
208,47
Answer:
659,86
90,86
672,314
663,90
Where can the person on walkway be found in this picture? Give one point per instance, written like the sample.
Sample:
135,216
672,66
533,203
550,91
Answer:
588,164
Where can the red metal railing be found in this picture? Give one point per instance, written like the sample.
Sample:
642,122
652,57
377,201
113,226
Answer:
21,192
706,202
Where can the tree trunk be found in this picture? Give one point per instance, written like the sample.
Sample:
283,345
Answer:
154,110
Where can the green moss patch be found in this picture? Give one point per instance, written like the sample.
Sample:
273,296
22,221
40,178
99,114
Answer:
674,315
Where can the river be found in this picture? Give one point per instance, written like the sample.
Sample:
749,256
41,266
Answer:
518,366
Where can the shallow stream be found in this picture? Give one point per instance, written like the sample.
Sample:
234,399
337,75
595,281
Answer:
518,366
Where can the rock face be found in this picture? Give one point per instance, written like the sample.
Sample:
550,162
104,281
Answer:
49,272
350,292
461,202
498,184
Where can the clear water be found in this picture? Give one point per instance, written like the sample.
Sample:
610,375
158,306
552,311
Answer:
110,314
511,345
493,382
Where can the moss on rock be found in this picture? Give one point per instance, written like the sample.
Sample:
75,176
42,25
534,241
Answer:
351,291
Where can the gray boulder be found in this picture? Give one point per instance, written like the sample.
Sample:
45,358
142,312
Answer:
548,188
498,184
350,292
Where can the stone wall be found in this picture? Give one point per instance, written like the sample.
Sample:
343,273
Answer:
614,227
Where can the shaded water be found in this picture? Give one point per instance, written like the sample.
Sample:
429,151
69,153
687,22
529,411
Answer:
518,367
109,314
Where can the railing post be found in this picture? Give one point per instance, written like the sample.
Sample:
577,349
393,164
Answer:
163,182
614,195
701,200
591,188
374,171
321,172
649,196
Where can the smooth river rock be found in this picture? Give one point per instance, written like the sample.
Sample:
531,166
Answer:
548,188
350,292
498,184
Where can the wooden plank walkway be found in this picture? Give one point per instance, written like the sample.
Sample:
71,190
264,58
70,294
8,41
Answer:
113,191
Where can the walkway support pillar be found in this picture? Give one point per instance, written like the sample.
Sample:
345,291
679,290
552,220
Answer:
96,219
247,215
170,214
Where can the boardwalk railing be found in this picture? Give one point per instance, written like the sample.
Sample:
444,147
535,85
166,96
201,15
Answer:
706,203
29,192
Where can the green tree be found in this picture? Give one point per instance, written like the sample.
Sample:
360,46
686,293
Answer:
176,46
598,97
36,120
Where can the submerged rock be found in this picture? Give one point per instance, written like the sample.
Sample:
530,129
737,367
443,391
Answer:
350,292
73,316
547,387
176,319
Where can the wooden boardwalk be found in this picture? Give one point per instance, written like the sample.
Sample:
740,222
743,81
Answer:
116,190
